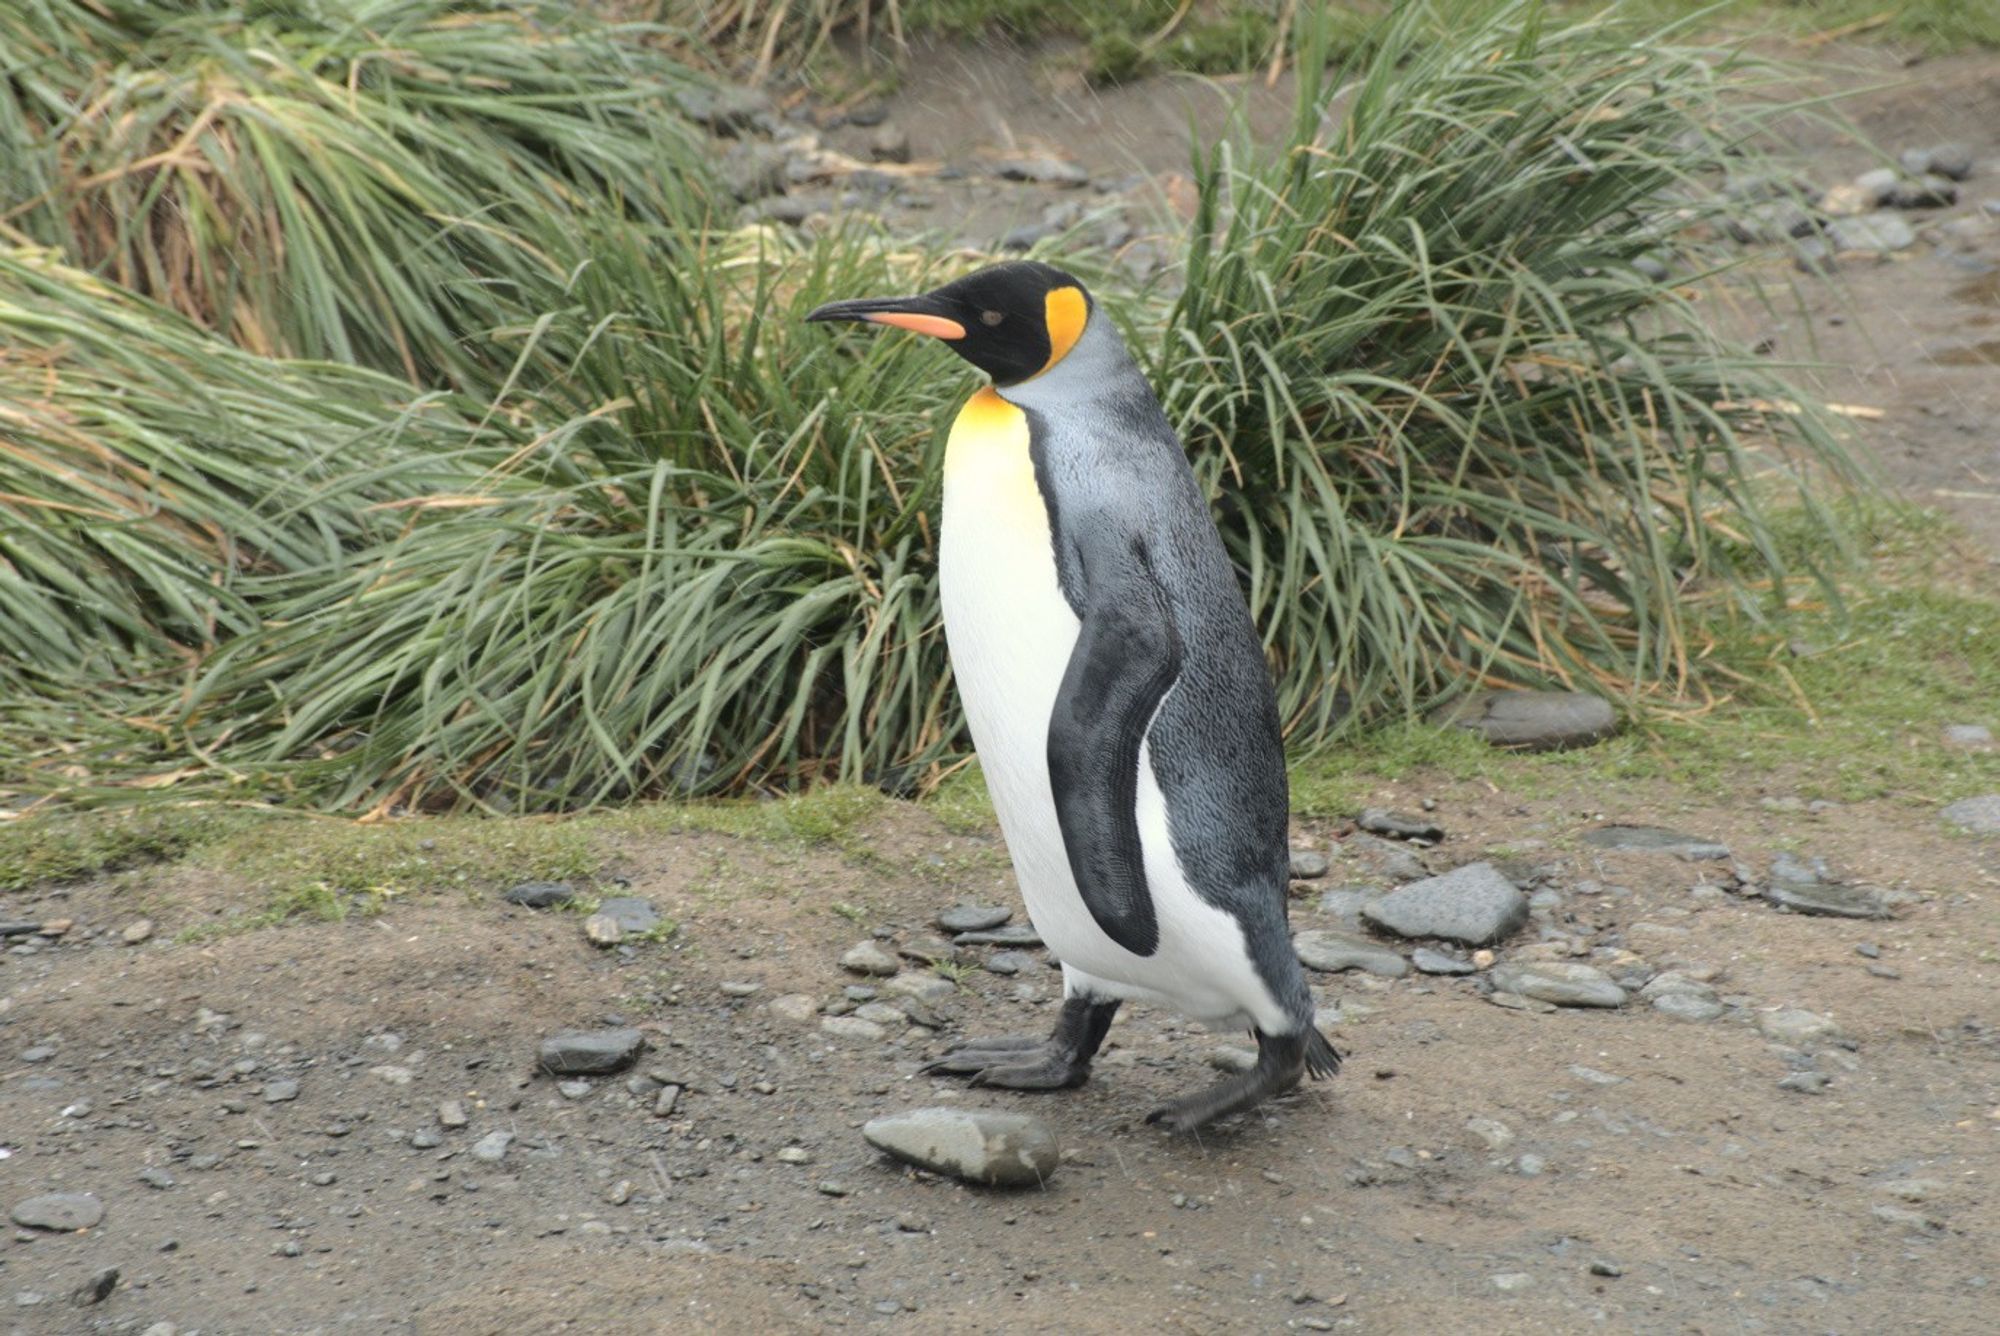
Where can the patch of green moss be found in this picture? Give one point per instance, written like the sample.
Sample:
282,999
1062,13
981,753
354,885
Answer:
68,846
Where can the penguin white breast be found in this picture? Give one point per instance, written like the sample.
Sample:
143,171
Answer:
1011,634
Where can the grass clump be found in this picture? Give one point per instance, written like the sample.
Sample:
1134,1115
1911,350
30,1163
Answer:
1454,432
339,181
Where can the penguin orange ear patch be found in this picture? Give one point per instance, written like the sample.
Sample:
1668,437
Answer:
1066,310
936,326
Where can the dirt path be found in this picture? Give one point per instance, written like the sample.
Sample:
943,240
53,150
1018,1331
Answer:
262,1117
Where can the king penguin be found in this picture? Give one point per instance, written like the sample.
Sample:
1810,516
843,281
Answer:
1116,691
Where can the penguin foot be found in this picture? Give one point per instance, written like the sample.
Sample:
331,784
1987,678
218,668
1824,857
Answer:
1021,1062
1281,1064
1014,1062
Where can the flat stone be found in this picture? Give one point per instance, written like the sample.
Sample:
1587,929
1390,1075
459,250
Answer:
1232,1059
1806,1083
1561,983
1517,1002
1399,825
1971,737
1924,192
739,988
920,985
1428,961
1953,161
727,109
1472,905
1875,233
1979,815
852,1029
1828,899
1309,865
492,1148
136,932
590,1052
96,1289
1654,840
870,958
1011,962
973,918
451,1113
1531,720
1042,169
796,1007
889,143
602,930
884,1014
1005,1150
1797,1028
280,1092
753,169
1384,859
1014,934
1688,1007
928,951
540,894
58,1212
630,913
1331,951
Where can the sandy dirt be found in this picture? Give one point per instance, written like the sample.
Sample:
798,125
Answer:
1474,1167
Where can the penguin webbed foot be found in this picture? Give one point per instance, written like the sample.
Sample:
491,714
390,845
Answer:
1014,1062
1281,1064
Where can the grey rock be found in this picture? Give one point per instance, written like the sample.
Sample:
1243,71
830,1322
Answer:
1876,233
426,1138
1772,220
870,113
796,1007
279,1092
1345,903
889,143
1913,1190
1806,1083
920,986
1600,1267
1513,1282
1979,815
788,210
667,1101
1495,1134
1654,840
1953,161
1014,934
1815,889
58,1212
1471,905
1428,961
631,913
1814,256
852,1029
1011,962
1398,825
1007,1150
882,1013
928,951
452,1113
1924,192
39,1053
602,930
590,1052
492,1148
1309,865
1797,1028
727,109
753,170
740,988
1973,737
1385,859
95,1290
575,1089
870,958
1532,720
1916,1222
1332,952
540,894
973,918
1560,983
1651,268
156,1178
1687,1006
1877,184
1042,170
135,932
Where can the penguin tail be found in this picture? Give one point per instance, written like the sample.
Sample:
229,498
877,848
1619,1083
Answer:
1322,1058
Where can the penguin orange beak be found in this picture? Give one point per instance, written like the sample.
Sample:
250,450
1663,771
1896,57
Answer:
913,313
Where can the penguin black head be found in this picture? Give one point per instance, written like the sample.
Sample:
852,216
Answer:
1012,321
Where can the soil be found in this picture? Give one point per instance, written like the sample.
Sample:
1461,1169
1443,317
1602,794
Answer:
1650,1174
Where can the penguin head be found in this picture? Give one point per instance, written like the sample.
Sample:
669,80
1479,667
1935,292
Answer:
1013,321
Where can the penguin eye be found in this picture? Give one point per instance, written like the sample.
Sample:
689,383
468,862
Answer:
991,318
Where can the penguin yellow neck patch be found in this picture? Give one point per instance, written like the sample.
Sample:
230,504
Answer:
1066,311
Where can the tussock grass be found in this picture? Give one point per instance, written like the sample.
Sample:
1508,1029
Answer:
338,181
669,540
1454,432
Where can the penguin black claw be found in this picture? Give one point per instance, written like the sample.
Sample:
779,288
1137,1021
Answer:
1281,1065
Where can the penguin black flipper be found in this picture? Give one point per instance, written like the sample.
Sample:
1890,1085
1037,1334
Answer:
1127,657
